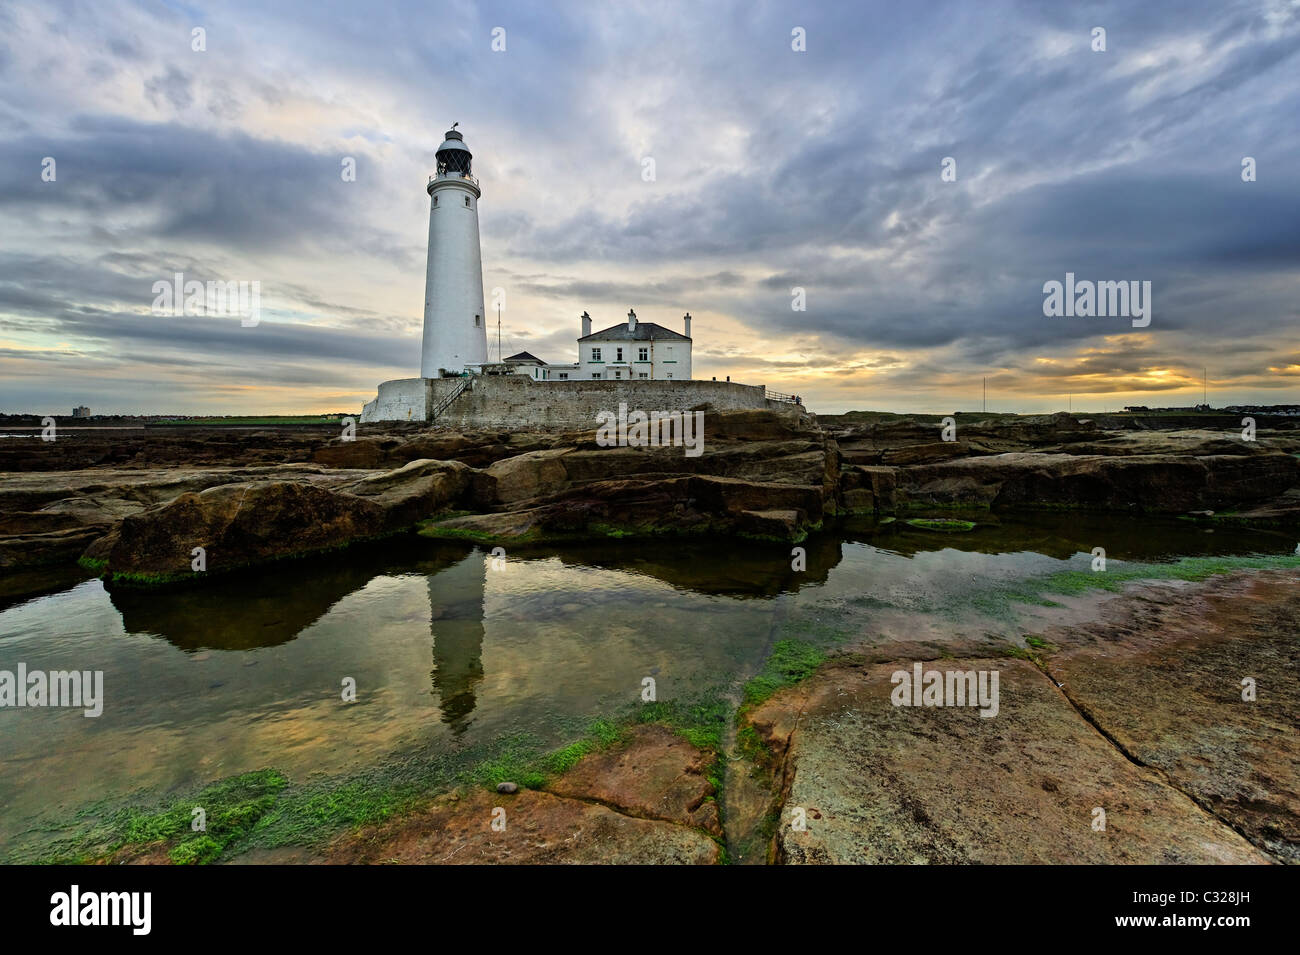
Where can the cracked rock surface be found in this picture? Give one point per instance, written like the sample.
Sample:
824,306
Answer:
644,802
1149,726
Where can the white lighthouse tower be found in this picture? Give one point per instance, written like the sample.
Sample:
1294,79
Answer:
455,323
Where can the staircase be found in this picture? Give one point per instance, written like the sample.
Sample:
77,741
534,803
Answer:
446,402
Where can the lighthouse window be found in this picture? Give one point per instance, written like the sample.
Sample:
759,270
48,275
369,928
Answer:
467,202
478,320
435,200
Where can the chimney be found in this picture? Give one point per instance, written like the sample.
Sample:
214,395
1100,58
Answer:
586,324
687,320
631,320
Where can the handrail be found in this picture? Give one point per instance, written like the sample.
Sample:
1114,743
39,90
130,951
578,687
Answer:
778,396
453,175
446,402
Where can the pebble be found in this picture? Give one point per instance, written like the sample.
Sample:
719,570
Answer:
507,787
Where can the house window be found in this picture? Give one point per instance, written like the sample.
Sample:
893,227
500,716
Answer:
595,354
643,354
618,354
643,375
595,375
564,376
618,374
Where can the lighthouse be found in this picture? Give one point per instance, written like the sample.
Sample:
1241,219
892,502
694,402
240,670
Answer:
455,323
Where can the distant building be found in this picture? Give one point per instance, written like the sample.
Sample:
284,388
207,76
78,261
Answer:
1287,410
525,358
526,363
81,411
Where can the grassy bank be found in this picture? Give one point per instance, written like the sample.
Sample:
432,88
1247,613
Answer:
264,809
1000,600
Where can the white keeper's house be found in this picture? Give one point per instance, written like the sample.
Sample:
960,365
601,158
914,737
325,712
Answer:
628,351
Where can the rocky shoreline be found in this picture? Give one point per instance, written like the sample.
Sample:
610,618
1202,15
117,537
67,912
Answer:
134,505
1121,738
1130,705
1138,713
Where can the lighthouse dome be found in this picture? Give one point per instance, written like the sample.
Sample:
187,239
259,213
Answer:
453,155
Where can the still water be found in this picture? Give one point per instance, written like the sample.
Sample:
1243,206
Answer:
447,650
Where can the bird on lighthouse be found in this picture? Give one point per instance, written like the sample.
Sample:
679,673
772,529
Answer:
455,324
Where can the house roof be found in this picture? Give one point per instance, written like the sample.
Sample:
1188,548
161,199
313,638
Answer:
525,356
645,331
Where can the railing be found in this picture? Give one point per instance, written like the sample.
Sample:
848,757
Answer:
454,175
778,396
446,402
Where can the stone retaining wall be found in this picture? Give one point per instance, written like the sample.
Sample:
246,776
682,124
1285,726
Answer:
514,401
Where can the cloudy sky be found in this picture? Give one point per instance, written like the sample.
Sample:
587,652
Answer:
774,169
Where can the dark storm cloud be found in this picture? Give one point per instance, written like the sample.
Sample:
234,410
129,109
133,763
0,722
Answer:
190,184
111,314
664,291
174,87
194,335
775,170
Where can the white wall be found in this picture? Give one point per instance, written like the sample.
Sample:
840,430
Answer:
666,359
573,371
518,402
403,399
515,402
